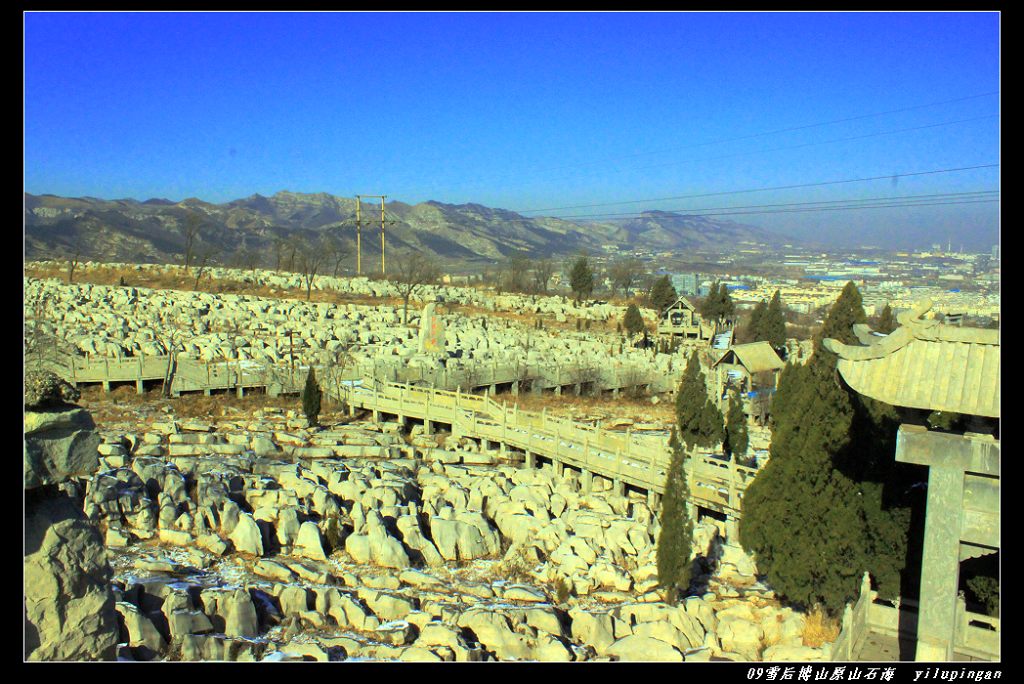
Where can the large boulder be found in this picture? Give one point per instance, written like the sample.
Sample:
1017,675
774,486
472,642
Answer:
59,444
69,605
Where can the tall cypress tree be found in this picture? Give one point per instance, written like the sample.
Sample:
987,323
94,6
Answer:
773,326
736,437
814,517
711,307
698,420
676,537
311,394
755,325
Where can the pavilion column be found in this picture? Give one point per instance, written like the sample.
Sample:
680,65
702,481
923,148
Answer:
940,565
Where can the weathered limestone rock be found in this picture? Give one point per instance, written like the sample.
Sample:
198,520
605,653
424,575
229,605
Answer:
246,535
69,607
68,603
308,543
143,636
642,648
59,444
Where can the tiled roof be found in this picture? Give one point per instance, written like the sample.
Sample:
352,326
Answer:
926,365
755,357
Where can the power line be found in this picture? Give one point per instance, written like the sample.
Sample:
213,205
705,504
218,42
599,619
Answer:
795,147
764,134
822,203
777,187
799,210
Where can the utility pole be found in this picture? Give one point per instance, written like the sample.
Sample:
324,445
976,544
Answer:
359,237
382,234
359,228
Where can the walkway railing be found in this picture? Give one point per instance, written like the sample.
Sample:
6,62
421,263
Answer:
637,460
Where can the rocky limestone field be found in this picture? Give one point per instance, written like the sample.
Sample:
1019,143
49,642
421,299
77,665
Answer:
258,538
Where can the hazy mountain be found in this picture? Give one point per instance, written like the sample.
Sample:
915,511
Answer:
129,230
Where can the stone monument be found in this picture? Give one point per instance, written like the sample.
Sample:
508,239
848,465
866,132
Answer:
431,331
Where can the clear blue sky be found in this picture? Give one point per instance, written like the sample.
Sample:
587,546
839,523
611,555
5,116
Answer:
522,111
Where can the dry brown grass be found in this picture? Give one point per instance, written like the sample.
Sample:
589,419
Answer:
819,628
123,404
639,410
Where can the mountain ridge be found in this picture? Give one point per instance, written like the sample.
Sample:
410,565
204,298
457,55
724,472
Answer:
152,230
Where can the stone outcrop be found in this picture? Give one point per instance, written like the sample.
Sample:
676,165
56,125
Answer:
69,606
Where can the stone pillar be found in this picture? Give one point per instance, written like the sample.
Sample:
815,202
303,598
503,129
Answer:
558,390
653,501
586,481
732,529
940,564
139,388
106,385
240,391
427,428
618,487
559,468
531,459
515,388
376,416
206,392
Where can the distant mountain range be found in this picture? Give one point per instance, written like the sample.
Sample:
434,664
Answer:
153,230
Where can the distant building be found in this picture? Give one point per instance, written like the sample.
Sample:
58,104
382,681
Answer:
686,283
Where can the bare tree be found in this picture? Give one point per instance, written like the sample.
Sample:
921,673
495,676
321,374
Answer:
518,264
278,243
311,257
203,256
190,231
625,274
334,252
247,258
543,269
412,271
74,254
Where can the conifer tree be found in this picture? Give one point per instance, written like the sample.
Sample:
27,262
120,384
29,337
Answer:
698,420
773,326
676,536
815,516
887,320
311,394
633,321
663,294
710,308
755,325
581,278
736,438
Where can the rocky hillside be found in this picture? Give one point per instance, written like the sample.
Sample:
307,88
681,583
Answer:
152,231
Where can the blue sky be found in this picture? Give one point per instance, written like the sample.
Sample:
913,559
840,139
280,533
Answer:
524,111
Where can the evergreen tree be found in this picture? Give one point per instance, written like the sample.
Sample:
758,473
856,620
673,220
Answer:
581,278
663,294
887,320
816,516
736,438
726,308
773,326
311,394
698,420
710,308
755,325
632,320
676,536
